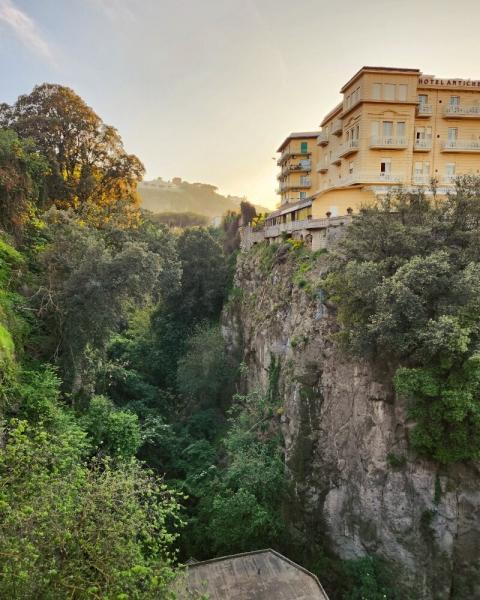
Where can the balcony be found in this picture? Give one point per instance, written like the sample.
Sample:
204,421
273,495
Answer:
393,143
423,145
424,110
422,179
289,153
469,111
364,177
303,166
322,167
472,146
336,158
337,127
322,139
348,148
449,179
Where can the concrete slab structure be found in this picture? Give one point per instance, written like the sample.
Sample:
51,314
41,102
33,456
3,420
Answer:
260,575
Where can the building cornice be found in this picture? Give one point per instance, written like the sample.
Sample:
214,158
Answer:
385,70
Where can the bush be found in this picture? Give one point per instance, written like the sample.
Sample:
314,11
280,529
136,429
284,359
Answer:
406,280
111,431
69,531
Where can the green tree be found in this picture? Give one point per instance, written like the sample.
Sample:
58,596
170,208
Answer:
89,169
71,531
206,372
85,292
405,280
22,182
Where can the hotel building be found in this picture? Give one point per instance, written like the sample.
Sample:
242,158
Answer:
393,127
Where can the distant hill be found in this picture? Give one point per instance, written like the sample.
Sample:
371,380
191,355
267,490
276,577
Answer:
180,196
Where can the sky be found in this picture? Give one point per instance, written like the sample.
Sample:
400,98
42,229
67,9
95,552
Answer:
207,90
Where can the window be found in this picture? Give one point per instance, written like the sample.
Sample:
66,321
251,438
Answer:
401,129
387,129
376,91
423,99
385,167
420,133
350,167
452,134
422,169
402,91
304,180
304,147
450,171
334,211
357,132
303,195
454,100
389,91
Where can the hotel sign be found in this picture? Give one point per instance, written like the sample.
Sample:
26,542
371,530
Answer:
457,83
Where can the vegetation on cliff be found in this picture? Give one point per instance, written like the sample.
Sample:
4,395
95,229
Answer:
405,279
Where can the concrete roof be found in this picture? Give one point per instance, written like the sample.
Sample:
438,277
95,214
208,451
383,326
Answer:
297,135
260,575
379,69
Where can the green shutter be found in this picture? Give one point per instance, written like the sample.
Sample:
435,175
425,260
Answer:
304,147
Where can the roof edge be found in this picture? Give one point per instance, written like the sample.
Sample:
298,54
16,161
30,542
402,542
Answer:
367,69
251,553
297,135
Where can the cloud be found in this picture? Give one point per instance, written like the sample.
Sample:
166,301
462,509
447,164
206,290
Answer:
25,29
116,10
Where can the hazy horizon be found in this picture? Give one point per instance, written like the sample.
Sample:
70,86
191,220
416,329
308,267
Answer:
207,91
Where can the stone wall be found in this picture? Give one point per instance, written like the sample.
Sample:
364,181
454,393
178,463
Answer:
346,443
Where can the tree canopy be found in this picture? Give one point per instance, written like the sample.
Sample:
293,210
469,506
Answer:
89,169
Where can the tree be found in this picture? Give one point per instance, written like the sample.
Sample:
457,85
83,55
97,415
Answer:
205,372
22,182
86,290
248,212
89,169
203,279
72,531
406,282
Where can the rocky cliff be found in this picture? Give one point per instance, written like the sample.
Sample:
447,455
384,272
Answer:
356,484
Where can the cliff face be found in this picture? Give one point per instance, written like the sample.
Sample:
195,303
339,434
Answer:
355,481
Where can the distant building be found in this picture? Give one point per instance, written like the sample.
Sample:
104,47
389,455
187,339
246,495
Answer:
261,575
298,157
394,127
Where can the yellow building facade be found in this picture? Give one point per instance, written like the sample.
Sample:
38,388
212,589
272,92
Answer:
298,178
393,127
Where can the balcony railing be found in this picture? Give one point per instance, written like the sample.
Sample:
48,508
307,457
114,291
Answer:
322,167
425,145
365,177
424,110
461,146
422,179
449,179
322,139
289,153
337,127
348,148
276,230
458,111
388,142
304,165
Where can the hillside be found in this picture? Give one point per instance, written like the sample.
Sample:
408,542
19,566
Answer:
181,196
